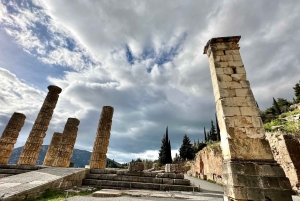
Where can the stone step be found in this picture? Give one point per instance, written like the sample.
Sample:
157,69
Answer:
136,185
139,174
13,171
23,167
116,177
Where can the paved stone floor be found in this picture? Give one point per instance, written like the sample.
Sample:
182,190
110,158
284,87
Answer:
205,186
14,185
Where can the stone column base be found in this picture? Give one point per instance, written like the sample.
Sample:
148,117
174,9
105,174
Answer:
255,180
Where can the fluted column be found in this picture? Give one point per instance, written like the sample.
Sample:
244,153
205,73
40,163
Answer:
66,147
10,135
35,139
53,149
98,157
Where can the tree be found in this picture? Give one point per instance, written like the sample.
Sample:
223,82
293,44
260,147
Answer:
165,155
186,151
213,132
297,92
276,107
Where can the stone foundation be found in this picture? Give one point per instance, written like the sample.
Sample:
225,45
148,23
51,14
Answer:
176,168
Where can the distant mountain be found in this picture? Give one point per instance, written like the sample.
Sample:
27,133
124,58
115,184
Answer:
79,157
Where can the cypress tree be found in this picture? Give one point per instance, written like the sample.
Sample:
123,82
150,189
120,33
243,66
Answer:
213,132
276,107
297,92
162,155
168,148
186,150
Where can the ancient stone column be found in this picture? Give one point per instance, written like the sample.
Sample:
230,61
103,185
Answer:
98,157
10,135
35,139
66,147
249,169
53,149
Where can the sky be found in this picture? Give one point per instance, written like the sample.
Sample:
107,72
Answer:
144,58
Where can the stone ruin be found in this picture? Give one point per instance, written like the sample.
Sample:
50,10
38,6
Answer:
249,169
98,157
53,149
10,135
34,142
66,146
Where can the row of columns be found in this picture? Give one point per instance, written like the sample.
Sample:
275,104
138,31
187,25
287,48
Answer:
61,147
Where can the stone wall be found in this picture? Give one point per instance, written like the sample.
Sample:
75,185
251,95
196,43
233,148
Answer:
286,149
208,164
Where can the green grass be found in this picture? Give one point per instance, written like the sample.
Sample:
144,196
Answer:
50,195
290,127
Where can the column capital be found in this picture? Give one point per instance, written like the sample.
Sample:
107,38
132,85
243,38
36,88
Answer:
54,89
227,39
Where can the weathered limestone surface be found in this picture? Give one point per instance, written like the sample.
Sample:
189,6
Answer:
10,135
249,169
98,157
34,141
53,149
286,151
176,168
66,147
136,166
208,164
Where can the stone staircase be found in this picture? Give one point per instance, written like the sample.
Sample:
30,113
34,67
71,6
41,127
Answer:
9,169
124,179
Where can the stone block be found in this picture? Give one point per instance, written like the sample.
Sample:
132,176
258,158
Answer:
230,85
224,78
255,194
245,84
243,121
277,194
238,77
232,52
231,111
284,183
242,92
249,111
235,132
237,57
240,70
235,64
237,192
255,132
227,71
269,182
221,64
250,148
136,166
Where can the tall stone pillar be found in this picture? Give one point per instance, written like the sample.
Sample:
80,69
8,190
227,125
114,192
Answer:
98,157
53,149
249,169
10,135
35,139
66,147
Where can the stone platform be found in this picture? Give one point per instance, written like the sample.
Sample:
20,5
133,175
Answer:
10,169
34,183
124,179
